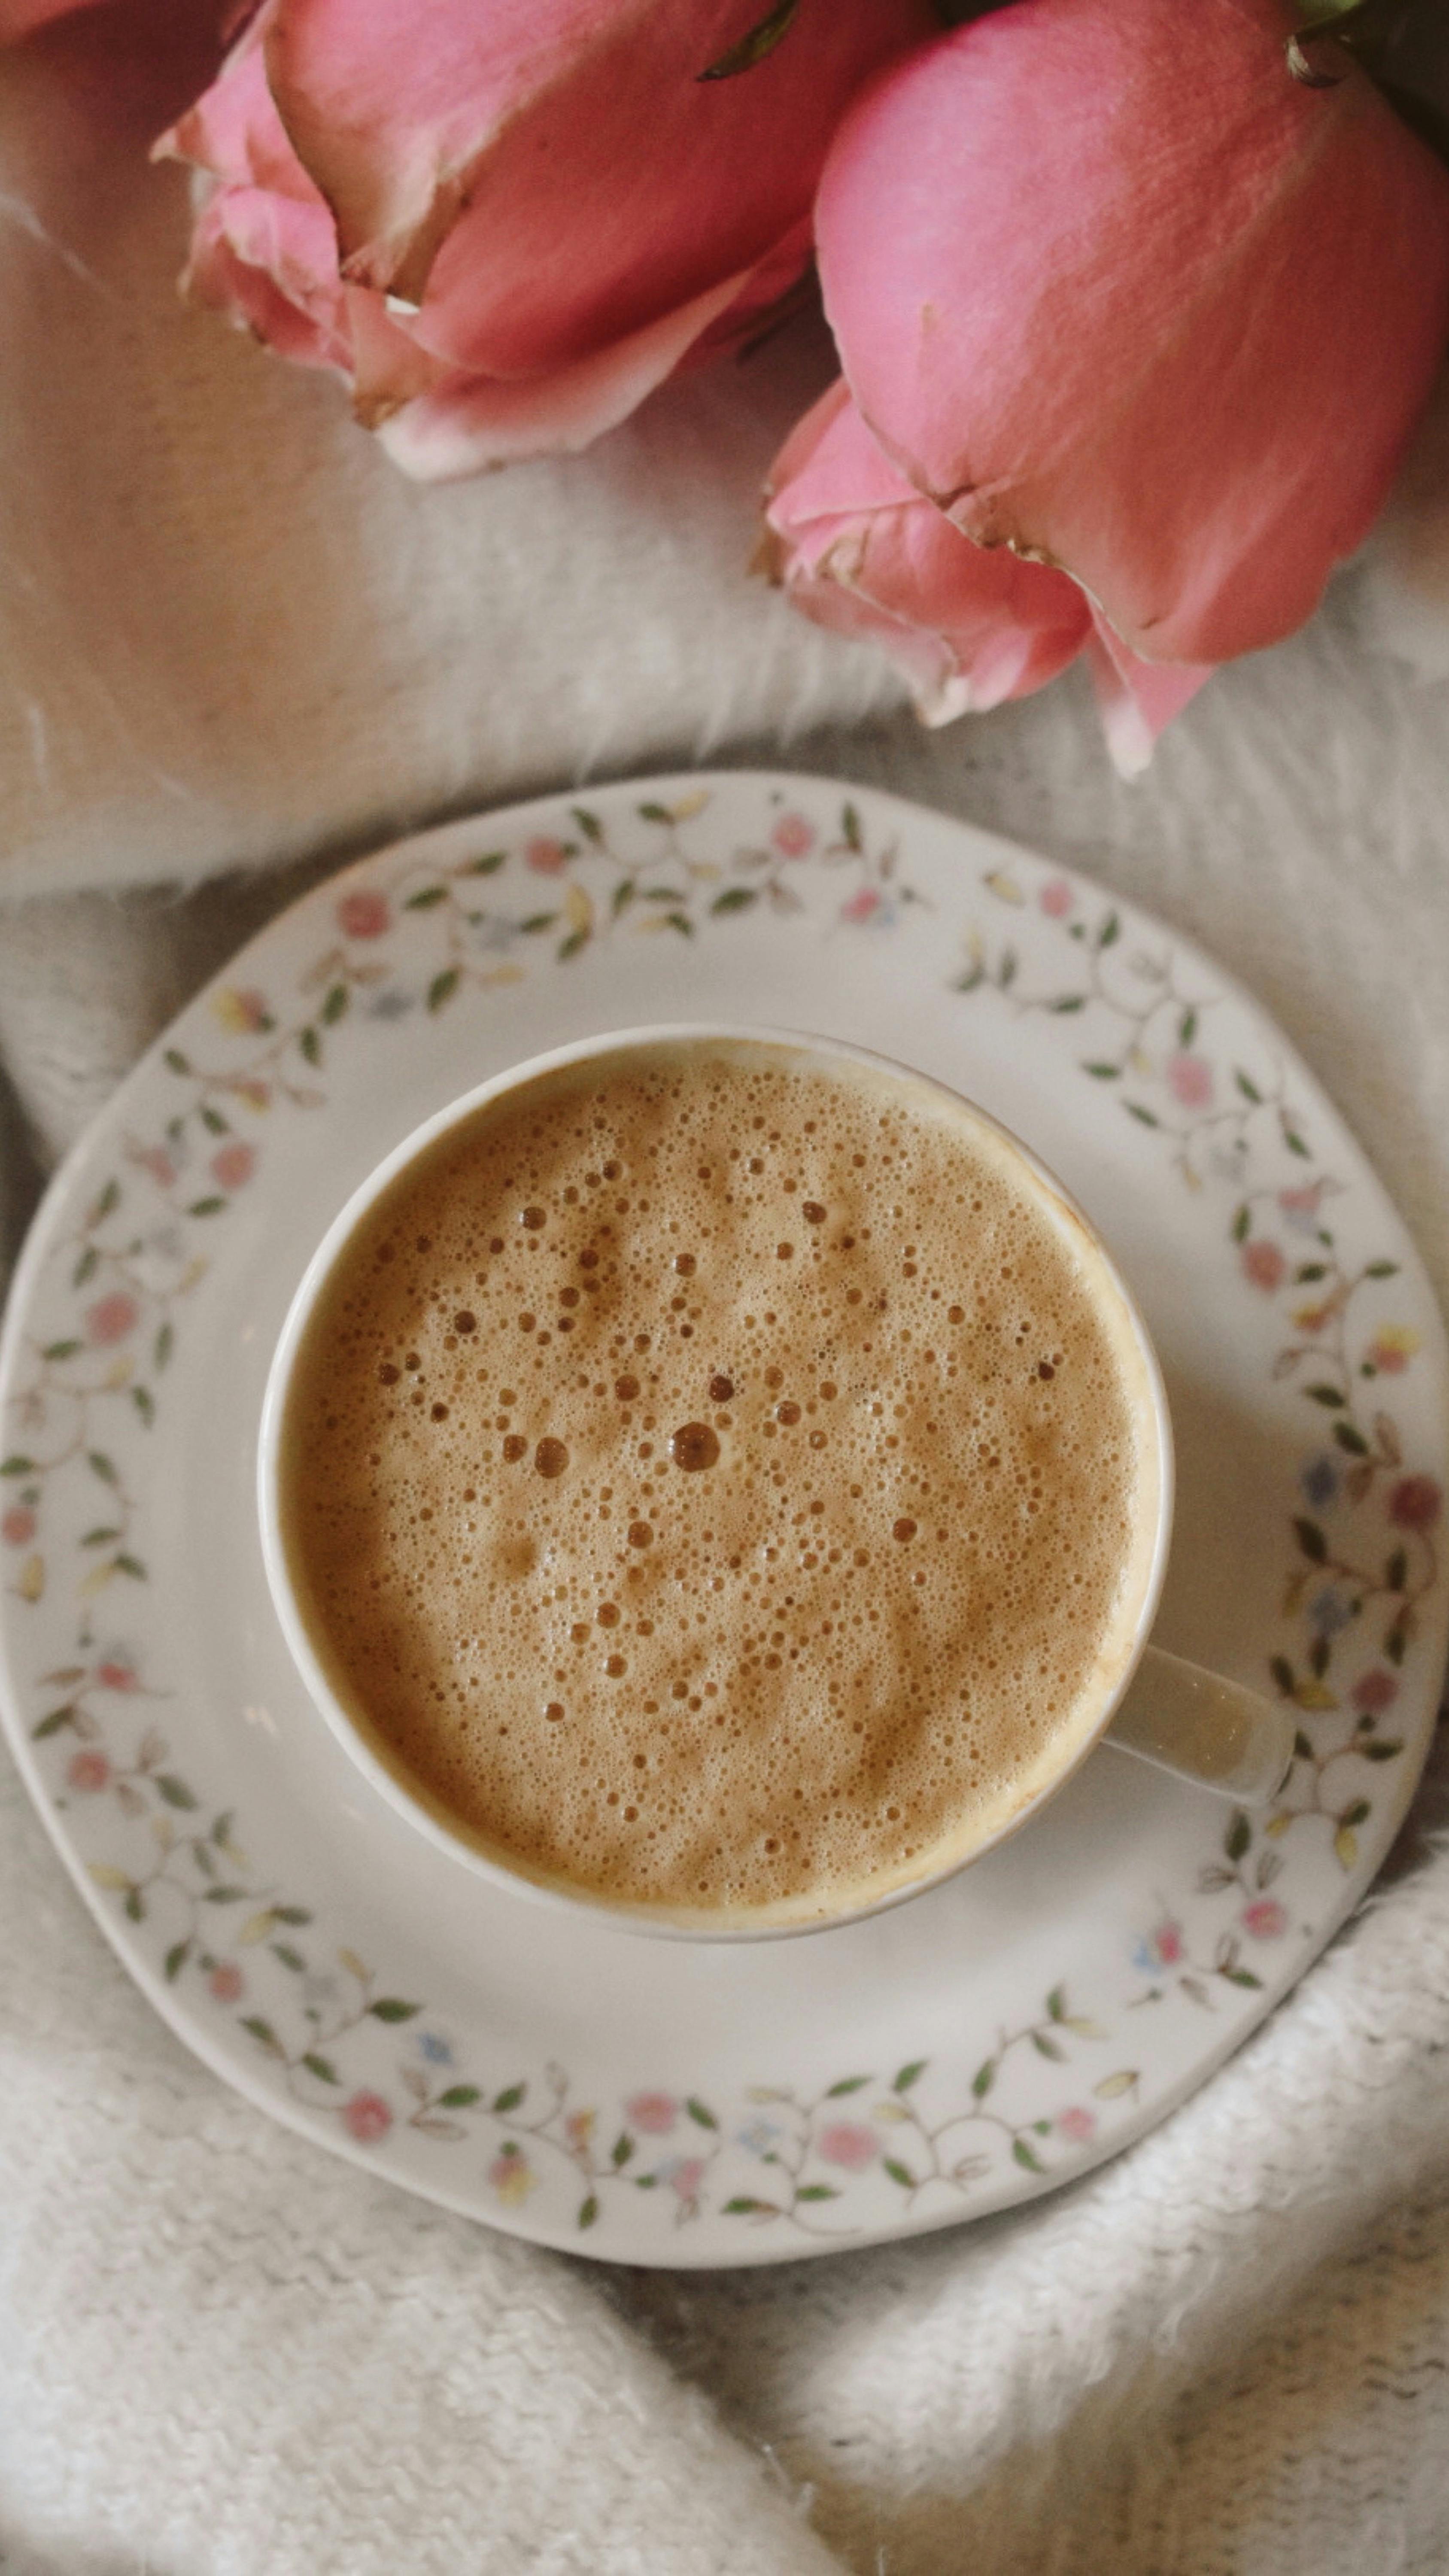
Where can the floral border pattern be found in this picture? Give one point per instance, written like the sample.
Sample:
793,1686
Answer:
411,935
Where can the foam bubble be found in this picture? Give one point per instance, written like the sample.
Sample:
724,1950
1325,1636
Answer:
708,1495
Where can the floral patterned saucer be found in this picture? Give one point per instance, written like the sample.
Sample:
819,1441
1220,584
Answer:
651,2101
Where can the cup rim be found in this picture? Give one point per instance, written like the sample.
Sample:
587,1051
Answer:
409,1802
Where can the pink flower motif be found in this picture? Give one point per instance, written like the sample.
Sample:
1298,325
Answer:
1056,899
363,914
1376,1691
512,2176
111,1318
1392,1348
847,2143
241,1009
1190,1080
368,2117
1166,1943
863,905
1079,2124
1264,1264
257,1095
794,836
546,855
233,1167
1300,1205
1265,1919
228,1985
578,2129
118,1676
159,1164
687,2177
89,1771
1415,1503
18,1526
654,2113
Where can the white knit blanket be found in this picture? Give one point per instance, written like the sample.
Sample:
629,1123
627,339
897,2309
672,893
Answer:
229,638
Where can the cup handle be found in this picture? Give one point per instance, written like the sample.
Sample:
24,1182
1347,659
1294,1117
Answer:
1205,1729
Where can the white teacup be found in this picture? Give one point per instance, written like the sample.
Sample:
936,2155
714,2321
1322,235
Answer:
1193,1722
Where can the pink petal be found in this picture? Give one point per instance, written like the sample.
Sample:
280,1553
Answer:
858,549
1183,359
468,422
561,161
1136,699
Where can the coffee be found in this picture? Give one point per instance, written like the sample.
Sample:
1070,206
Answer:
712,1478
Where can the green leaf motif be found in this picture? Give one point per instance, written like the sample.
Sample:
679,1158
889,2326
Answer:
391,2008
1312,1541
1240,1977
983,2079
17,1465
442,988
176,1060
1187,1028
1350,1439
310,1044
1283,1674
589,2210
336,1004
262,2032
1248,1088
211,1206
701,2114
1069,1002
621,2151
1382,1270
1027,2156
164,1345
1330,1395
652,812
623,896
510,2097
135,1906
910,2075
174,1791
850,831
145,1404
681,922
819,2190
283,1913
1103,1072
1144,1117
1110,931
1396,1572
1242,1224
740,2207
321,2067
459,2097
60,1350
1238,1836
847,2084
131,1565
1047,2047
899,2173
426,898
589,824
570,947
1056,2004
176,1958
489,864
1383,1751
289,1957
52,1724
735,899
102,1466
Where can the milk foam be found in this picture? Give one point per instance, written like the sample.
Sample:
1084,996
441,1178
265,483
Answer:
713,1480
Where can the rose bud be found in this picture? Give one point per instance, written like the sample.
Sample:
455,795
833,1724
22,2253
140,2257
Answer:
1114,289
506,225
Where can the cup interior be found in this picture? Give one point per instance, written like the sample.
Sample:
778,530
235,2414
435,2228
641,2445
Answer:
337,1700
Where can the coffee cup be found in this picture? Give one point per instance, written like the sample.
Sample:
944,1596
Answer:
718,1480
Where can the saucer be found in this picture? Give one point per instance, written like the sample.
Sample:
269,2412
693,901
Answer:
647,2101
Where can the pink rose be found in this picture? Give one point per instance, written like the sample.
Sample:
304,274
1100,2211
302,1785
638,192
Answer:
859,549
1265,1919
507,229
117,1676
233,1166
1415,1503
794,836
364,915
1264,1264
1079,2124
1376,1691
548,857
847,2143
18,1526
1112,316
111,1318
1164,1945
89,1772
368,2117
1055,899
686,2177
227,1983
864,904
654,2113
1190,1080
